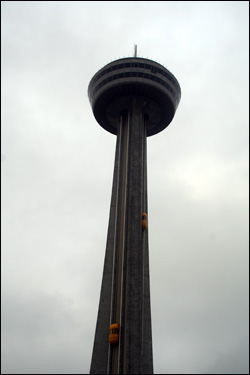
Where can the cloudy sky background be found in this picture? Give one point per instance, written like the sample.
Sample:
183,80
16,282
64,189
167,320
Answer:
57,169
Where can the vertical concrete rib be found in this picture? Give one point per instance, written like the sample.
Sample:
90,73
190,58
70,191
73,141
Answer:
147,350
136,345
100,354
116,351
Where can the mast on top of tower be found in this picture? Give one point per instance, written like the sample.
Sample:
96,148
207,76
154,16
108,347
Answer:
135,54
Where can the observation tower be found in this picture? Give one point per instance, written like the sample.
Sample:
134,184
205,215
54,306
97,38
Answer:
132,98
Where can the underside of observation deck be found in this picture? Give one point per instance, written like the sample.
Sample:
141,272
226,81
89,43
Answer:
113,88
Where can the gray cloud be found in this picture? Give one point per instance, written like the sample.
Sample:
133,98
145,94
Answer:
57,178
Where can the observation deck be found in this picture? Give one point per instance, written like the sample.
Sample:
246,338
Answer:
114,88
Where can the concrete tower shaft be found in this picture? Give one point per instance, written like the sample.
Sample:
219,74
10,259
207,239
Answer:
132,98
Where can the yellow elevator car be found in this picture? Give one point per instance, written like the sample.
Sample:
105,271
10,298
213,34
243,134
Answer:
114,333
144,222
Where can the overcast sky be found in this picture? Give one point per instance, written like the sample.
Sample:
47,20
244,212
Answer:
57,169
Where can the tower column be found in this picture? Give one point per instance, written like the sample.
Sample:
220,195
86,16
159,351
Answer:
127,285
137,246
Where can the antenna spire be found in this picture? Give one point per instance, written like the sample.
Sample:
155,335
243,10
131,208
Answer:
135,54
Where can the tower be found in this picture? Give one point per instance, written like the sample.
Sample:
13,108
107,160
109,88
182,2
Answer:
132,98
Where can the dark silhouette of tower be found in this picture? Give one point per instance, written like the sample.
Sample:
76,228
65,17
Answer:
132,98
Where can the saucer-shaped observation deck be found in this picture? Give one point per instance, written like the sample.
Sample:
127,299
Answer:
114,88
